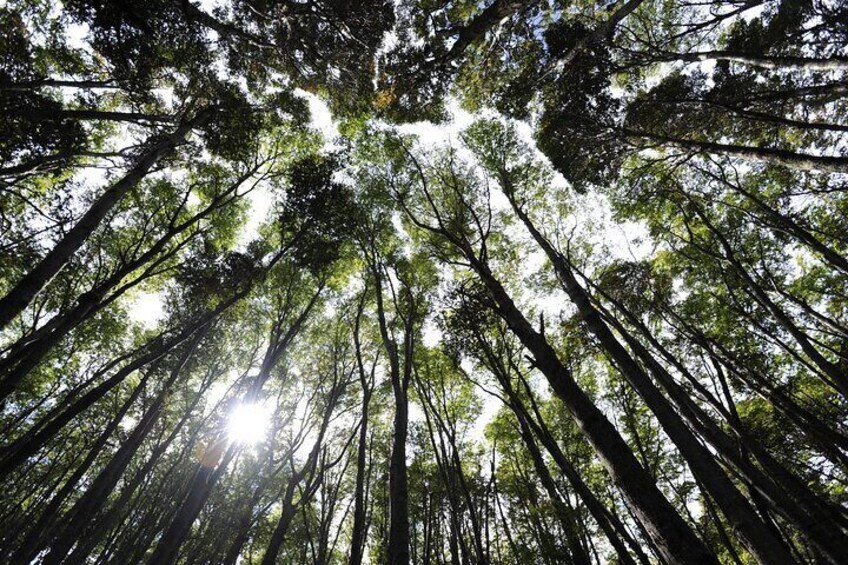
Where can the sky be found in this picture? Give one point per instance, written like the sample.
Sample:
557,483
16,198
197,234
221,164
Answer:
621,240
592,218
147,308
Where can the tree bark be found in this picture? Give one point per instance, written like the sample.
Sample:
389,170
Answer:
32,441
611,526
89,504
835,376
204,480
26,353
742,517
673,537
776,62
100,525
44,528
481,24
308,472
398,541
675,540
359,531
568,522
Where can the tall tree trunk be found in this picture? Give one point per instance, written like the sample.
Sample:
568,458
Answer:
835,376
204,480
398,548
743,518
672,535
358,534
817,520
44,528
26,353
100,525
117,116
398,540
30,443
771,62
763,117
602,31
569,523
448,473
95,496
610,524
476,29
19,297
278,535
306,474
785,223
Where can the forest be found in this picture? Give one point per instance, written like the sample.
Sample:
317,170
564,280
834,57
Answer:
431,282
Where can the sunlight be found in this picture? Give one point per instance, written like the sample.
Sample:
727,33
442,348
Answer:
248,423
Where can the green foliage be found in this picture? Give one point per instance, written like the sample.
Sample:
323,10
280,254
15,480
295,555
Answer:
409,317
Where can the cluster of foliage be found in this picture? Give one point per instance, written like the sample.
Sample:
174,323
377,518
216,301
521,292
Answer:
606,322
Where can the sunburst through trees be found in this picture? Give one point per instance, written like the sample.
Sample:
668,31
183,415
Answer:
431,282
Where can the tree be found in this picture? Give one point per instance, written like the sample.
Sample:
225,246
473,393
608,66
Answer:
438,282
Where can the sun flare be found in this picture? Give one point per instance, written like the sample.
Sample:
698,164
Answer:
248,423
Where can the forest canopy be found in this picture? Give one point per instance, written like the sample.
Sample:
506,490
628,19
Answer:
425,282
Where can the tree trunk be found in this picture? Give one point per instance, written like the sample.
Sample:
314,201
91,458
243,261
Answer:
280,530
783,157
398,548
789,495
568,522
43,529
33,282
114,116
205,479
478,26
776,62
673,537
838,379
609,523
306,471
25,354
786,224
30,443
95,496
602,31
358,535
734,505
99,526
398,539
